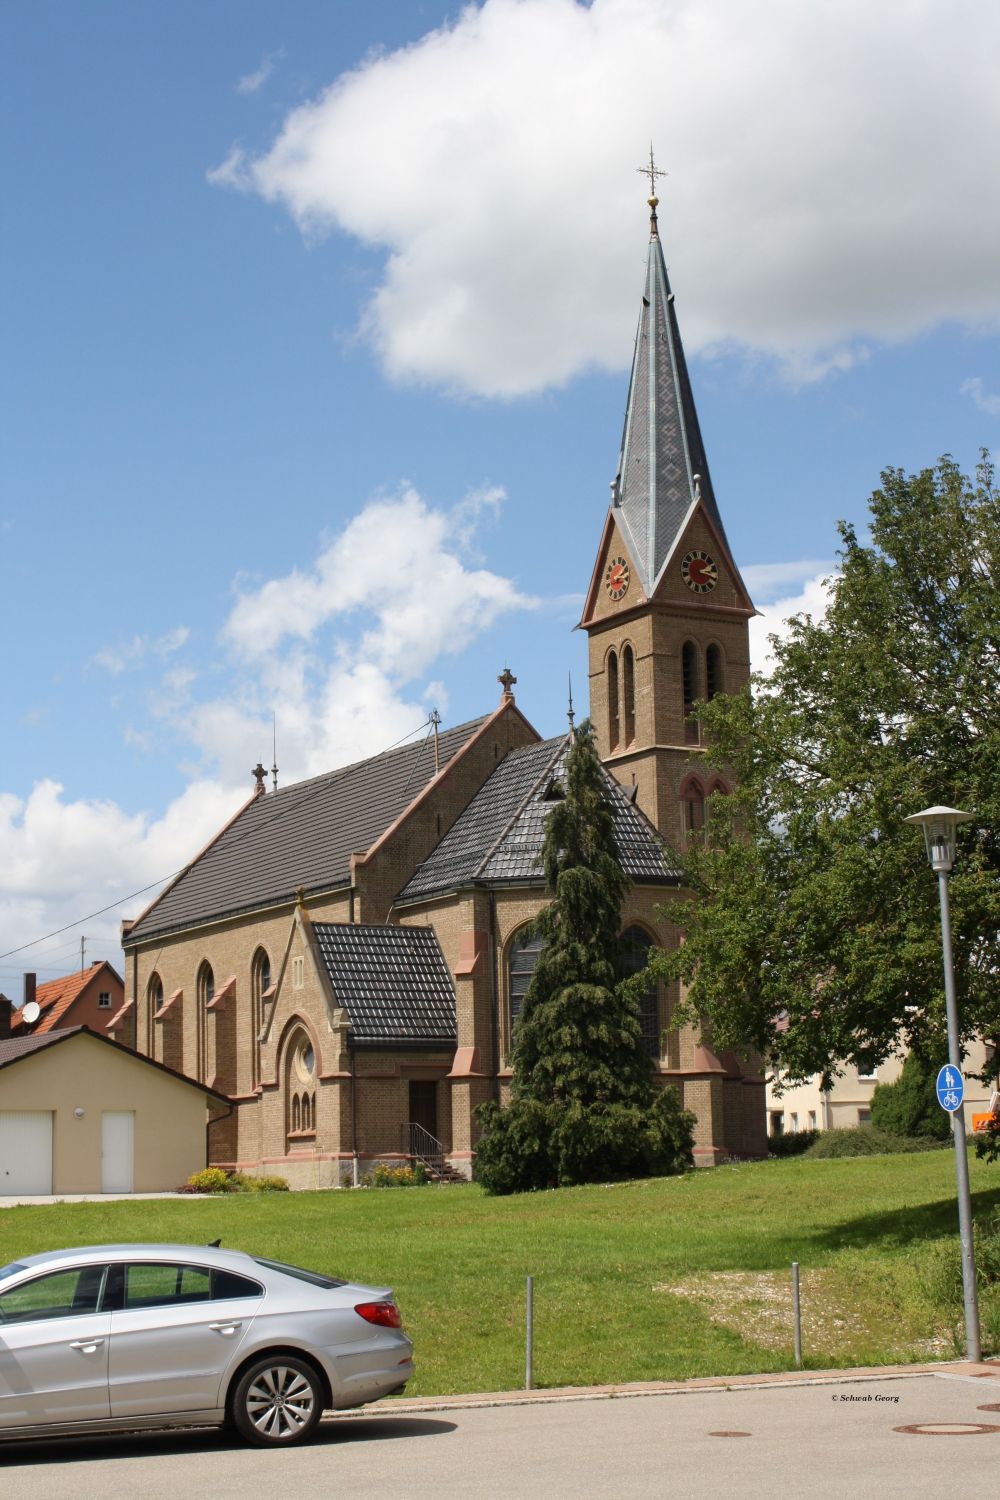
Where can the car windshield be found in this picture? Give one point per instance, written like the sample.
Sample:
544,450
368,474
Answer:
315,1278
12,1269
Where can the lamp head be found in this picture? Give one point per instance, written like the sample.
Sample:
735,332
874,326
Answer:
939,825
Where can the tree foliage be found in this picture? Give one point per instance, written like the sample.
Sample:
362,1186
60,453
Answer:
811,899
909,1106
582,1107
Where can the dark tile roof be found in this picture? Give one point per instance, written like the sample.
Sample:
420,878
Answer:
499,836
302,835
393,982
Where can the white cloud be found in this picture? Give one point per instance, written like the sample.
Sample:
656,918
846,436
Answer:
820,157
251,82
986,402
772,619
115,659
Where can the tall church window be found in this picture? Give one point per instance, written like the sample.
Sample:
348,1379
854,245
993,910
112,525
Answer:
713,672
635,946
692,807
521,961
628,693
689,686
260,981
206,985
154,999
205,991
613,722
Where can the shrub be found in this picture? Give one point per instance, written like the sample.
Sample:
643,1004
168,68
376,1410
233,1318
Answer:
865,1140
266,1184
909,1106
792,1143
389,1177
209,1180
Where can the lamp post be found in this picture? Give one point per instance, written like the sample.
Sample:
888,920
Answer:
939,825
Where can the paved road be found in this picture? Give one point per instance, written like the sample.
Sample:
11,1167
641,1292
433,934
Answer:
800,1442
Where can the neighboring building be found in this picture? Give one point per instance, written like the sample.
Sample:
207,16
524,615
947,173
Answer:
89,997
346,959
848,1102
81,1114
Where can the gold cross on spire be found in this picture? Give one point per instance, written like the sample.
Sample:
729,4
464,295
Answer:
652,172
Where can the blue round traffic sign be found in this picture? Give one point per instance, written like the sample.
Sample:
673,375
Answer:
950,1088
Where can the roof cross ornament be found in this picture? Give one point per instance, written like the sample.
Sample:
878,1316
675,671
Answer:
507,681
652,172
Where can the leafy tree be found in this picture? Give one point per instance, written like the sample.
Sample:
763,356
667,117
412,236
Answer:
811,899
582,1107
909,1107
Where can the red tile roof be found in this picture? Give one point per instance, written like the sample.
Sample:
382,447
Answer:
57,995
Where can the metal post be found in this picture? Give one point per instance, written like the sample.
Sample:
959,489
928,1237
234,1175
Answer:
972,1345
529,1340
797,1314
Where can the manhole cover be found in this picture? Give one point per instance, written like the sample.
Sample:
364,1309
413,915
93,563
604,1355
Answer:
949,1429
729,1434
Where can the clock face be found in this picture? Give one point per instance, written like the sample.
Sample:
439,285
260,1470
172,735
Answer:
617,577
699,572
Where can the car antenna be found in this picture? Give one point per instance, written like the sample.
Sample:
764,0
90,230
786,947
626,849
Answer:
214,1244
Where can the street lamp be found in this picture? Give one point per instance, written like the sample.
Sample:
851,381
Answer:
939,825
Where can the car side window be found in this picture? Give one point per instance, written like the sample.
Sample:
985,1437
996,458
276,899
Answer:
228,1284
159,1284
60,1294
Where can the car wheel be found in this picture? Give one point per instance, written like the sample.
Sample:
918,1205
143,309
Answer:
277,1401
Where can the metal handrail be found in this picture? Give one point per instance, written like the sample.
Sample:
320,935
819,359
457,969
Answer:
420,1143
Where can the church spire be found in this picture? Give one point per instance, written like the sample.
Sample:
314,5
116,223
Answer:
662,468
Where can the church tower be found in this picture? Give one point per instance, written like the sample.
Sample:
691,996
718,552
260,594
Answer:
667,611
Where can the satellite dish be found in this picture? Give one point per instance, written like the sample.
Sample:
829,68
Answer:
31,1012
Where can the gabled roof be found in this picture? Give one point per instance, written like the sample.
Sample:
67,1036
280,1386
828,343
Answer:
56,996
13,1049
662,468
392,981
300,836
499,837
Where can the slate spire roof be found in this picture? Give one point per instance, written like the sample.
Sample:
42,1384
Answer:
498,838
662,467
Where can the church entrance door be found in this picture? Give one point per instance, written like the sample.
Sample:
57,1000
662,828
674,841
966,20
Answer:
423,1105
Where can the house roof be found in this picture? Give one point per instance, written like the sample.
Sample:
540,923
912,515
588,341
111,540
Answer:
662,468
300,836
499,836
14,1049
392,981
56,996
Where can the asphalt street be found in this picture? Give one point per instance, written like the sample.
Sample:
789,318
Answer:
800,1441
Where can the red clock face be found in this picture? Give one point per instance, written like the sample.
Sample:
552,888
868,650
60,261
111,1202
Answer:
617,577
699,572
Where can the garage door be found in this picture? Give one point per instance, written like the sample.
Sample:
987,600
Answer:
25,1152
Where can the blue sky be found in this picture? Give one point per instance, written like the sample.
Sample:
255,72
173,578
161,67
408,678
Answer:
315,354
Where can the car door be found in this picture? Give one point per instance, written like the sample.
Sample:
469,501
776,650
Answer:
54,1349
172,1340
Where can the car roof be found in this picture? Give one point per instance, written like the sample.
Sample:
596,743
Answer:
210,1255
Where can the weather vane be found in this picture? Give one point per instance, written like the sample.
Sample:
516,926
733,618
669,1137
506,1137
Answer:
652,172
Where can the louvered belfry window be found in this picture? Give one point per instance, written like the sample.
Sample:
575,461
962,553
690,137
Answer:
614,733
689,680
628,693
713,672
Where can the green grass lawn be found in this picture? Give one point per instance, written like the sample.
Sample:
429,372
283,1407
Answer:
636,1281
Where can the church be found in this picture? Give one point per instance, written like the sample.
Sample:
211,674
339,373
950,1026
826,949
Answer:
346,959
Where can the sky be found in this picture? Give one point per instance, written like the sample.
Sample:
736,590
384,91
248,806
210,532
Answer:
316,332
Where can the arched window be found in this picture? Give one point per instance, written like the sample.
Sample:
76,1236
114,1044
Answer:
154,999
260,982
206,985
635,946
714,682
296,1112
689,684
613,723
521,961
628,693
692,807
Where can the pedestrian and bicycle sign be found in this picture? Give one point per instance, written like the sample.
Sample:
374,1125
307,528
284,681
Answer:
950,1088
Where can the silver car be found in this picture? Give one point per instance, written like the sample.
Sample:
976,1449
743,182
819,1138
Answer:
127,1336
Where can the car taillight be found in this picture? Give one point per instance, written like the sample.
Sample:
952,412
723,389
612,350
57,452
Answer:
385,1314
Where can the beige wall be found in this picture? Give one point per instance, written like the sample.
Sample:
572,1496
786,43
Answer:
82,1072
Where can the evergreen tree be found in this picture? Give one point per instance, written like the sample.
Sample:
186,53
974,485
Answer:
582,1107
909,1106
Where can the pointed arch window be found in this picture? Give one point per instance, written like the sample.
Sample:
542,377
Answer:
154,999
260,983
521,961
692,808
206,985
635,946
714,678
628,694
613,720
689,688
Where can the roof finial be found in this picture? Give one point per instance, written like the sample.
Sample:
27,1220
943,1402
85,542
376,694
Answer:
259,772
652,172
435,723
274,750
569,712
507,681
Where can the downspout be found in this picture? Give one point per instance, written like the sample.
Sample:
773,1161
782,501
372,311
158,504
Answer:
355,1175
494,1001
208,1125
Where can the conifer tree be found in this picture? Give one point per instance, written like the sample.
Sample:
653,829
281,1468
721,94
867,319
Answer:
582,1107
